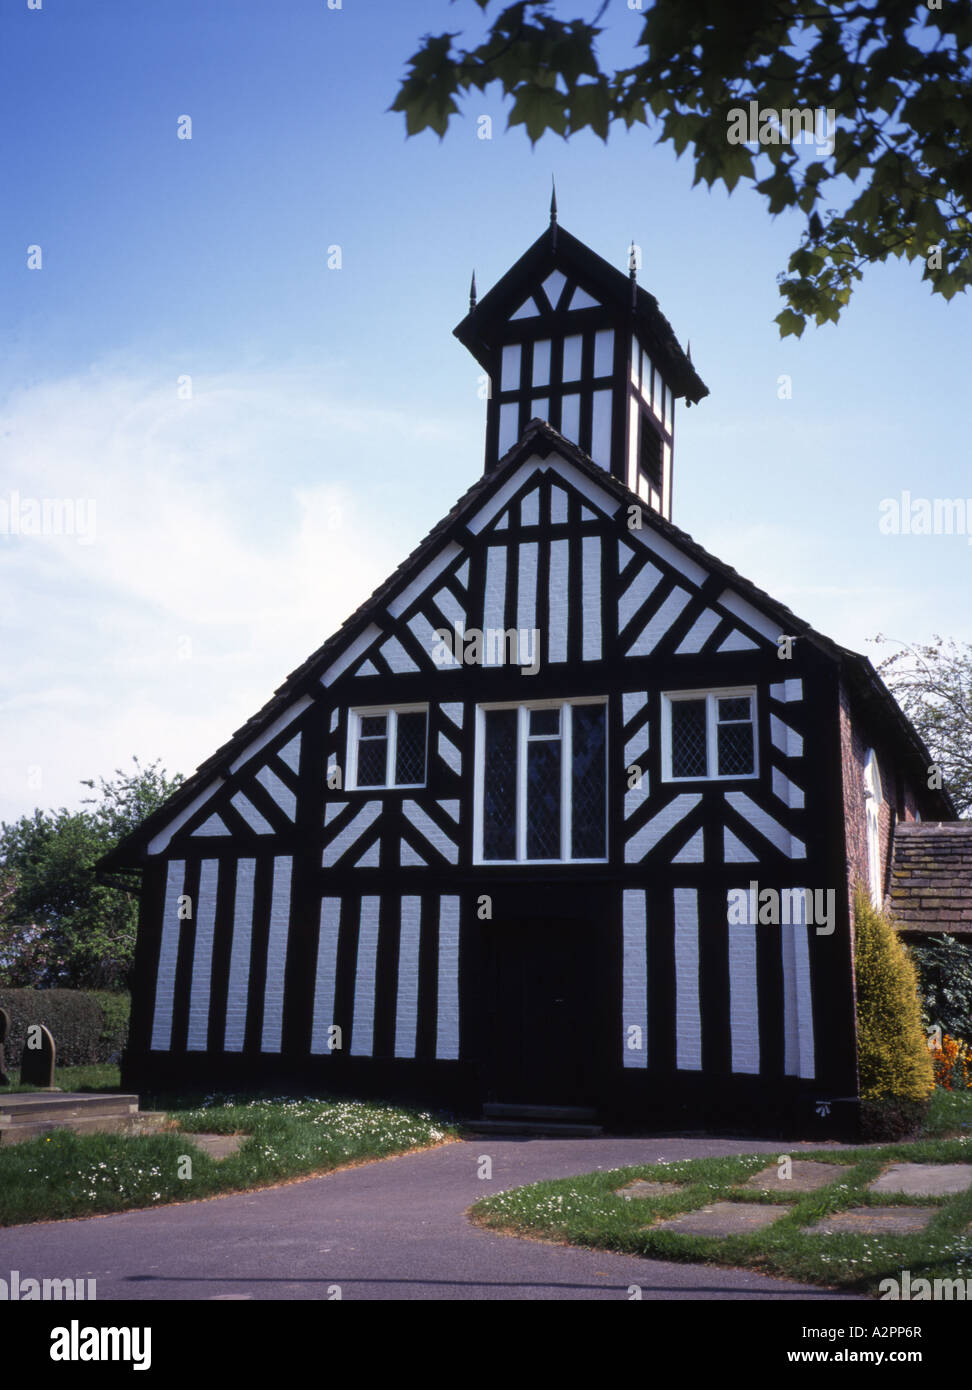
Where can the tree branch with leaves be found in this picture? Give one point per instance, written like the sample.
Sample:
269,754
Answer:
58,924
897,74
933,685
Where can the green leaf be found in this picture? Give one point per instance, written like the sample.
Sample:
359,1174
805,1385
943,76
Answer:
590,106
737,163
904,103
790,323
538,109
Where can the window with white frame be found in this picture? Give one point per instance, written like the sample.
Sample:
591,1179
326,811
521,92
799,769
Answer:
541,782
873,801
709,735
387,747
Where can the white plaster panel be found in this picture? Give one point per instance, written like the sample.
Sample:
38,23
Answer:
688,1016
406,1008
239,972
280,793
353,831
447,1013
699,633
273,993
634,997
557,626
363,1022
197,1035
325,976
664,820
591,598
168,956
660,622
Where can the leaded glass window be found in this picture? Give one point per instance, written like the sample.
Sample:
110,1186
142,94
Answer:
388,748
543,794
499,785
709,734
735,735
688,739
589,782
372,750
410,748
543,798
545,722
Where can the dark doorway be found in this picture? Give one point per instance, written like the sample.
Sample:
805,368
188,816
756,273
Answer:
541,1012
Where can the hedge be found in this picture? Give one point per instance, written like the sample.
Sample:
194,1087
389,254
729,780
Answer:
88,1026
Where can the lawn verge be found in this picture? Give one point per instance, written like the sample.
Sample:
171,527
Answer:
586,1211
69,1175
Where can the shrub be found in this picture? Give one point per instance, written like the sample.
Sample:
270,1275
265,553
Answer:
89,1027
116,1010
944,967
893,1056
889,1119
952,1060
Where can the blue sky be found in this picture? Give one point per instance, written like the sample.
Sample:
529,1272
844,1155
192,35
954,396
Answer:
333,417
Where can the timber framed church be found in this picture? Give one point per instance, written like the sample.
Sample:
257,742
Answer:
515,833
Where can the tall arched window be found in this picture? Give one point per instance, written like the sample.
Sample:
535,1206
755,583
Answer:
873,801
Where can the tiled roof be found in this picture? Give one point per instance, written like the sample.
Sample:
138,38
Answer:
931,877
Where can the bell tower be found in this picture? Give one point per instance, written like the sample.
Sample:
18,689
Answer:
567,338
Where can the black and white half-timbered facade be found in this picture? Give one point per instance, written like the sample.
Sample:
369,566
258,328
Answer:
567,814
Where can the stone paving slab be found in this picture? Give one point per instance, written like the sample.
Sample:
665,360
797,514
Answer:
886,1221
806,1176
722,1219
217,1145
642,1188
924,1179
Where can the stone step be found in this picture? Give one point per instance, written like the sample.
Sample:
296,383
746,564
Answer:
28,1106
141,1122
545,1129
571,1114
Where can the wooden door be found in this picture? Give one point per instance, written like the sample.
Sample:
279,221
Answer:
539,1019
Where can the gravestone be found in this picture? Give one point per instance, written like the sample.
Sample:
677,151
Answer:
4,1034
37,1058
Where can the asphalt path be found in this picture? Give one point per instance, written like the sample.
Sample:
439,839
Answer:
394,1229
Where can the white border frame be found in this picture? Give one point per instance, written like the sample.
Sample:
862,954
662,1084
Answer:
668,697
566,768
354,725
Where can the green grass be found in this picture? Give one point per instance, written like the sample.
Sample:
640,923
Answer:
106,1077
585,1211
950,1113
68,1174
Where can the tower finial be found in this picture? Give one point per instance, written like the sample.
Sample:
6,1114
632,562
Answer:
553,200
688,349
472,292
632,261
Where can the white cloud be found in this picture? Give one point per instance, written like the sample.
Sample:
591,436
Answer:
228,546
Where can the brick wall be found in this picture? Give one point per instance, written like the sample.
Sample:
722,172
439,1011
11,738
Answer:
898,792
